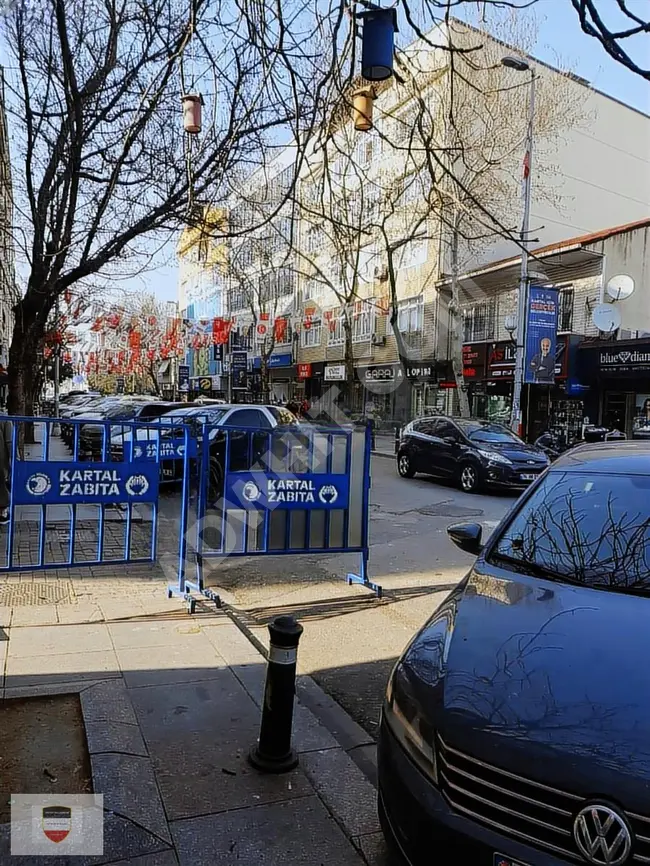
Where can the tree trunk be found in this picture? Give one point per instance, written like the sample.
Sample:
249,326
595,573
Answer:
455,336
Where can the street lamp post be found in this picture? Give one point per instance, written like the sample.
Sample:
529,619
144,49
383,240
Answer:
521,65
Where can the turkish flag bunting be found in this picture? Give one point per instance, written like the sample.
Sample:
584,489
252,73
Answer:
280,330
221,330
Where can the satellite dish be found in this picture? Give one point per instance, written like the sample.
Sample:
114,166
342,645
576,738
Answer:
606,318
620,287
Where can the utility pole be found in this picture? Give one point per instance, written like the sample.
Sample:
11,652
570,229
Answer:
521,65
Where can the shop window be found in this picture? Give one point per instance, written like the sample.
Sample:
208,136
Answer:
565,312
480,321
310,337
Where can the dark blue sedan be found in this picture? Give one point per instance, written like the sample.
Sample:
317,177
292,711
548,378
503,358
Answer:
516,725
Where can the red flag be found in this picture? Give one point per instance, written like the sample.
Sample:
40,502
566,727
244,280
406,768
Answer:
527,165
221,330
280,330
135,340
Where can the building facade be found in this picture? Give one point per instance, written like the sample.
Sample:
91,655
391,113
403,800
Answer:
372,227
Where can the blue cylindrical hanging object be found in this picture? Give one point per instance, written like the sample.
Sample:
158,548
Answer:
378,42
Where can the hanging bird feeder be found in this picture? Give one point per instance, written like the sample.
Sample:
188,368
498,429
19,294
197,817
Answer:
192,103
362,102
377,42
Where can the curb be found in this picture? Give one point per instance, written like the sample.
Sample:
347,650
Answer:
383,454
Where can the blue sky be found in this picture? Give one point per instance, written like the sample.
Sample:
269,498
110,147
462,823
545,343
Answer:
559,35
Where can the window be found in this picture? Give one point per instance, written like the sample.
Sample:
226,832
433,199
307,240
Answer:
312,289
480,321
565,313
413,254
446,428
283,416
247,418
336,330
365,148
362,322
315,239
237,299
310,337
583,527
410,315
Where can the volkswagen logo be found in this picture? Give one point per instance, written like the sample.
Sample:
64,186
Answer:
602,835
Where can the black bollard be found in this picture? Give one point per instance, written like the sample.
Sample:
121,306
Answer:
273,752
398,436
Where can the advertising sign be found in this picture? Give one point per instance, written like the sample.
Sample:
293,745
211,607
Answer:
183,377
335,373
119,385
474,360
285,490
304,371
239,370
205,384
541,336
501,359
67,483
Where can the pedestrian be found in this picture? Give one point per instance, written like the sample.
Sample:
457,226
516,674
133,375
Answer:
5,468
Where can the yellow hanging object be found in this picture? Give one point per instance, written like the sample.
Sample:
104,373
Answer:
191,112
362,101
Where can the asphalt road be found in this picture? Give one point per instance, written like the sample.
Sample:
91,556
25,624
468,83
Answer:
351,638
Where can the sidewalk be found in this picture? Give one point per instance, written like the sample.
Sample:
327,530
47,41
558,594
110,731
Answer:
171,706
384,445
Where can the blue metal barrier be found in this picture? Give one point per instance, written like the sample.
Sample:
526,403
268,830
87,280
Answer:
279,493
92,499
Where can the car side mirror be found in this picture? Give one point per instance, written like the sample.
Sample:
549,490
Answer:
467,536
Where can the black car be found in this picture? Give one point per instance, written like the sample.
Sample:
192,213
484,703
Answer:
516,724
95,436
470,453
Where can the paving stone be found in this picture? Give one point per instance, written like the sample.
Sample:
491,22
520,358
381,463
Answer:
374,849
130,789
233,646
208,727
346,791
114,737
108,701
183,662
79,613
161,858
41,616
59,639
300,833
188,633
39,670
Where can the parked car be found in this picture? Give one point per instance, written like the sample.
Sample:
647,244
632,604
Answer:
515,727
264,419
92,436
470,453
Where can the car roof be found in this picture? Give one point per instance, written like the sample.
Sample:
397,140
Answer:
609,458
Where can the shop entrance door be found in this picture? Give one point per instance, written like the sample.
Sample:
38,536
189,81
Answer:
618,411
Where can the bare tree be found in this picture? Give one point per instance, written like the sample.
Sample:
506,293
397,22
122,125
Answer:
102,167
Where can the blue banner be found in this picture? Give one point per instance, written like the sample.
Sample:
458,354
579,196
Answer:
170,449
260,490
68,483
541,335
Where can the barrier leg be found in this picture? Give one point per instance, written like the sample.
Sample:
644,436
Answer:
362,578
273,752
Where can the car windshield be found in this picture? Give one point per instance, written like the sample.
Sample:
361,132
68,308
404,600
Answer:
492,433
585,528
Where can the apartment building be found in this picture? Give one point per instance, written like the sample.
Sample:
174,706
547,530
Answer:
601,376
376,224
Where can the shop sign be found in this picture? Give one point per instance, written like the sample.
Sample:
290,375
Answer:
119,385
474,357
632,359
205,384
381,373
447,386
282,360
501,360
304,371
335,373
421,370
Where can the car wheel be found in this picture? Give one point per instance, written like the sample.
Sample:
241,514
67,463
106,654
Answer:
470,479
215,482
404,466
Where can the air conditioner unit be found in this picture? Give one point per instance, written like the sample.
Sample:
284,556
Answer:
378,341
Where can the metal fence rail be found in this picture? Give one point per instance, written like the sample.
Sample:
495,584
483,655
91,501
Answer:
281,493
